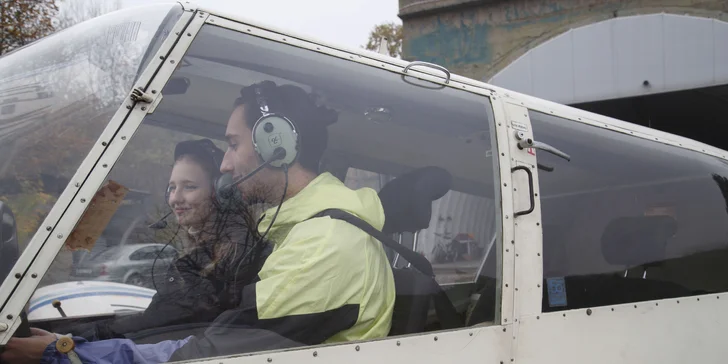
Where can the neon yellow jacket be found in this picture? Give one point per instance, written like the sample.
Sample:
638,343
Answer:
325,281
323,266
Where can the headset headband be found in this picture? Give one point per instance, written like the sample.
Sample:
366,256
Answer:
262,104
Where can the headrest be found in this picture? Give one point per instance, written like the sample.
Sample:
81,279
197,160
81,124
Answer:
407,200
632,241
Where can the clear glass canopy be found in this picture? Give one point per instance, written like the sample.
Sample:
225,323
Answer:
57,96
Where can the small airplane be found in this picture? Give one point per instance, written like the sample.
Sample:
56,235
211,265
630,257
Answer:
558,236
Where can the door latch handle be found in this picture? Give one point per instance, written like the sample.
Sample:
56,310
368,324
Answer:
530,190
524,142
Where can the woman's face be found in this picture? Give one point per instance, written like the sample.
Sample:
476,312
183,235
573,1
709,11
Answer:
190,193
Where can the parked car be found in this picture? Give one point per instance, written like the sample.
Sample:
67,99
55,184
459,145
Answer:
129,264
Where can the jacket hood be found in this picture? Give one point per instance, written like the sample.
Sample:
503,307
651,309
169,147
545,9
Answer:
324,192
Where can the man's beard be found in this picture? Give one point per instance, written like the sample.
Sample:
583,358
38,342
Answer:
257,192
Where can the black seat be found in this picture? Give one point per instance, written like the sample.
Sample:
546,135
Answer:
407,203
407,200
629,242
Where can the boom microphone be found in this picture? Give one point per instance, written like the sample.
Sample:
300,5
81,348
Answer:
161,223
225,190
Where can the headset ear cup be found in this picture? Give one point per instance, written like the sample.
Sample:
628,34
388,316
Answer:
273,132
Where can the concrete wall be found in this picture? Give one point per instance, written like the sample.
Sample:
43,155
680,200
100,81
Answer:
477,38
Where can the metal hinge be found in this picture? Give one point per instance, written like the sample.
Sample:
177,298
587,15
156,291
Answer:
138,95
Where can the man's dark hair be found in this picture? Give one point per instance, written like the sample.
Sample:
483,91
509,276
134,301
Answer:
300,107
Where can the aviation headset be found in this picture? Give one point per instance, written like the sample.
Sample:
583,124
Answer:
274,135
275,140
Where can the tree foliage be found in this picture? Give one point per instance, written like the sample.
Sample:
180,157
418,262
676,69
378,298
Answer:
64,94
72,12
24,21
392,32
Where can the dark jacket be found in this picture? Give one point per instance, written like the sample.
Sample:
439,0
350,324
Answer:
188,297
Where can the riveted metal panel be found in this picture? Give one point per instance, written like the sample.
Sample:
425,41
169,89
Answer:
526,251
483,344
506,260
682,330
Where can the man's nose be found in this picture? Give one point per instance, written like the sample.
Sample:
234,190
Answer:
226,166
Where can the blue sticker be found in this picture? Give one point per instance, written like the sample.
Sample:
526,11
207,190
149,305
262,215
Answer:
557,291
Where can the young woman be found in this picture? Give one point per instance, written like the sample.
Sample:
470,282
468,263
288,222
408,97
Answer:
218,258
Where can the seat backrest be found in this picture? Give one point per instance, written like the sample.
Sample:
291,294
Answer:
407,202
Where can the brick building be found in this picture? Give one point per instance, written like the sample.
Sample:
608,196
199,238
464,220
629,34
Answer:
656,63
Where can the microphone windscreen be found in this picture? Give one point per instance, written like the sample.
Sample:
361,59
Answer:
161,224
224,190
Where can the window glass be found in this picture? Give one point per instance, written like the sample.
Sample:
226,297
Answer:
627,219
142,254
256,274
108,254
166,253
58,94
7,109
461,232
357,178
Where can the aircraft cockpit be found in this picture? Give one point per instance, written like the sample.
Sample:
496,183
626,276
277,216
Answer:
425,150
155,161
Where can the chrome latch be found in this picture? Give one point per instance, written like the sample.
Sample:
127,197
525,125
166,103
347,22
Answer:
524,143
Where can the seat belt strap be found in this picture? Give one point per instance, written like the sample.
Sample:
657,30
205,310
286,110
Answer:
418,261
444,308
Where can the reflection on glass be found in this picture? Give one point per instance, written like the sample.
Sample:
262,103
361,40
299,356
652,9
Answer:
236,270
627,219
56,96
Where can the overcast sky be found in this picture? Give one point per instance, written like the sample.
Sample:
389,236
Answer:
346,22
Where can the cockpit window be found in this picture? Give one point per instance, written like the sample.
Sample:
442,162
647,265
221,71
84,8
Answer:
255,261
56,97
107,254
627,219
